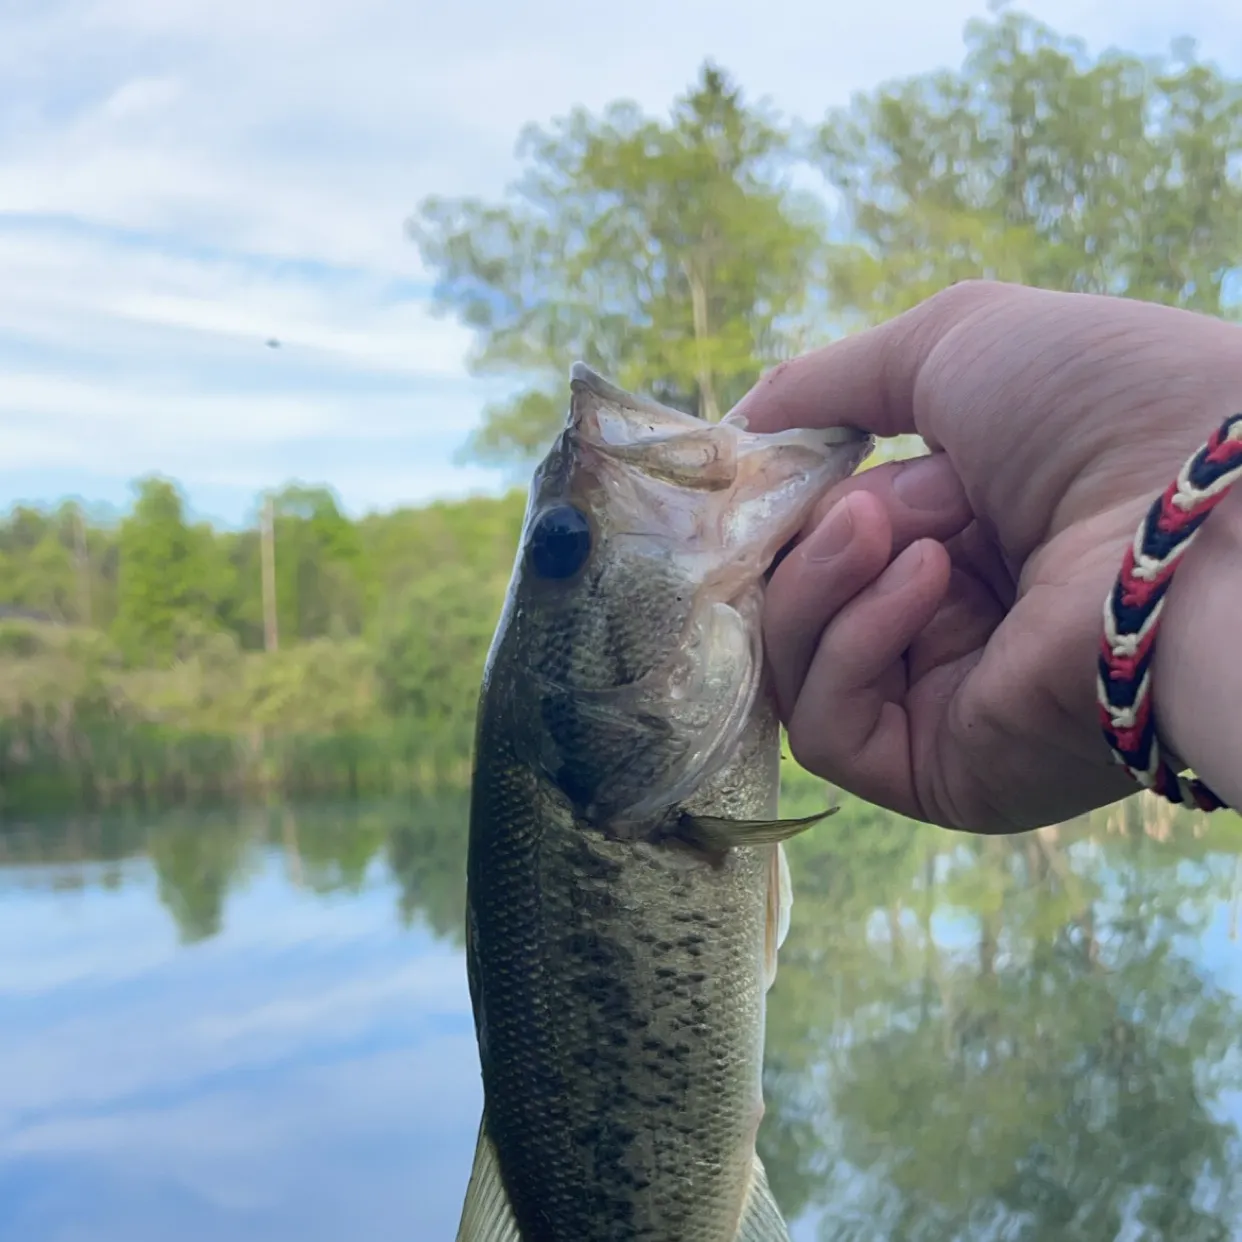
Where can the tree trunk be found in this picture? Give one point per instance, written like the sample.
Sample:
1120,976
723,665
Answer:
267,550
82,561
709,408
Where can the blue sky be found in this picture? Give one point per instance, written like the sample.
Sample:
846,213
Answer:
182,179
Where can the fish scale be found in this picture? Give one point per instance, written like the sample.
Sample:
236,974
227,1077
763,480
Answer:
626,892
620,963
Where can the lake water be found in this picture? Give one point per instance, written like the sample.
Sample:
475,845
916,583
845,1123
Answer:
254,1025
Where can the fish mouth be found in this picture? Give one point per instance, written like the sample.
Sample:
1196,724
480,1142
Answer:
653,468
589,383
585,381
611,417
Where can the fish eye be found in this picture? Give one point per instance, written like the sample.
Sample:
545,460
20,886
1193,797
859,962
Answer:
559,543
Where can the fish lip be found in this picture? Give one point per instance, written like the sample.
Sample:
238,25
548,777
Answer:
607,418
583,379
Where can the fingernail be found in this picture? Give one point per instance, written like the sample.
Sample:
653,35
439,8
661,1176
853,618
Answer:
927,483
902,570
833,534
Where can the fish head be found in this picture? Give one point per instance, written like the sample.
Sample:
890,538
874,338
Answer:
631,643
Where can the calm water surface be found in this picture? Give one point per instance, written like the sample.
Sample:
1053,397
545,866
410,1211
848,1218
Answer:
255,1025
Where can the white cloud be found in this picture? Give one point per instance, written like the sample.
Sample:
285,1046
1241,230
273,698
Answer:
90,292
231,438
248,141
122,359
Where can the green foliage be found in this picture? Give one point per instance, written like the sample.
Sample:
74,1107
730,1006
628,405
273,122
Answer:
373,687
318,587
170,577
670,255
1037,163
430,649
402,547
676,257
56,564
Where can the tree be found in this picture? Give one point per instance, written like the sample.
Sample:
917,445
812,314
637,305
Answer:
672,256
675,257
1035,162
430,647
317,565
57,564
170,575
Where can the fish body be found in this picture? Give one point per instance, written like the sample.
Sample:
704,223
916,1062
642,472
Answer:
626,884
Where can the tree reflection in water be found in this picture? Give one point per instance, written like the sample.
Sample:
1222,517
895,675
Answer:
970,1039
1006,1038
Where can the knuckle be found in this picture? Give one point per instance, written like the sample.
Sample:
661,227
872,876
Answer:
964,301
966,296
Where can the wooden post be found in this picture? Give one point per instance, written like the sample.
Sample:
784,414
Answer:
82,556
267,549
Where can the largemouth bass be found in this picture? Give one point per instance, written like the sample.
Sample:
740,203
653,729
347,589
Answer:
627,890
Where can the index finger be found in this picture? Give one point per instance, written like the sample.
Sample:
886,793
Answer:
868,380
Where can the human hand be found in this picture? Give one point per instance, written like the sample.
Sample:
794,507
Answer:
933,637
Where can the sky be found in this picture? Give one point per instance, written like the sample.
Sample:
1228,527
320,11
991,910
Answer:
183,180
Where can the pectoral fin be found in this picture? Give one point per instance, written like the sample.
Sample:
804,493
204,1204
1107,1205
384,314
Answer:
761,1218
780,905
486,1215
707,832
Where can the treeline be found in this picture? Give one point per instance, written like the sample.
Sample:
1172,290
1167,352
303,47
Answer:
157,583
133,660
680,256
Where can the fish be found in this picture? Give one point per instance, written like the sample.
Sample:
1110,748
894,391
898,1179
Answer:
627,889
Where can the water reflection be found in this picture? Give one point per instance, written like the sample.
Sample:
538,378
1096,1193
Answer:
1030,1038
256,1025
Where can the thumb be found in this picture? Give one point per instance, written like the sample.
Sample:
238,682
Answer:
868,380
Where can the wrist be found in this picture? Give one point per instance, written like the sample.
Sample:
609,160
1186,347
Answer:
1196,669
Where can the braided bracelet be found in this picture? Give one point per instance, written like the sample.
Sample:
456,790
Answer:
1132,615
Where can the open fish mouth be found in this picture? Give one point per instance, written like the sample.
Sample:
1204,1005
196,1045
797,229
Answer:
698,488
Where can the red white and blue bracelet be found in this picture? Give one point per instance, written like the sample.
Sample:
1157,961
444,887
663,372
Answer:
1132,615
